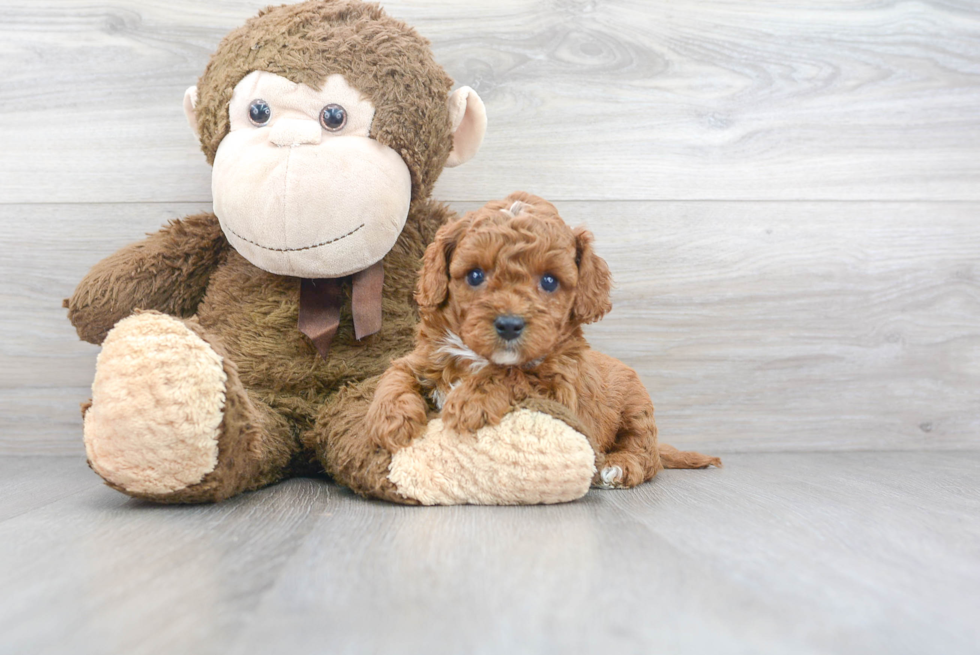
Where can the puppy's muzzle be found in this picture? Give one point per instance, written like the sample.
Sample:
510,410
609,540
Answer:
509,327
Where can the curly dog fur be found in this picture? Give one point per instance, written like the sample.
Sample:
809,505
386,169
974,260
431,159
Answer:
503,294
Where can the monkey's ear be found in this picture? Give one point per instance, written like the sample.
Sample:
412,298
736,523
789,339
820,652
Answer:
594,281
190,109
468,119
433,286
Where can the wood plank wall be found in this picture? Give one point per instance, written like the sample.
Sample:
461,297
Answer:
787,193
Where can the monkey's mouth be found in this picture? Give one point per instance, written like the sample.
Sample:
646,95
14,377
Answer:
311,247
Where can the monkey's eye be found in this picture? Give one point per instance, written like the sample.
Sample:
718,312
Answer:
333,117
259,112
475,277
549,282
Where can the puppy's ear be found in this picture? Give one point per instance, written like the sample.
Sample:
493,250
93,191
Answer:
433,284
594,281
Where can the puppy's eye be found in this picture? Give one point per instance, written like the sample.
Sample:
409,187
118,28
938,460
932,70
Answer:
259,112
475,277
333,117
549,282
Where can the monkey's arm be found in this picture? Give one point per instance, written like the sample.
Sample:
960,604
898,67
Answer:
168,271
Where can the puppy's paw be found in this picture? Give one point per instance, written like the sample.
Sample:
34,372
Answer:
610,476
396,422
618,471
469,417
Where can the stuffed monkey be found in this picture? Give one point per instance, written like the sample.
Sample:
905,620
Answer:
242,347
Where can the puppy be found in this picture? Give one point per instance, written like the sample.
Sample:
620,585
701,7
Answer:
503,294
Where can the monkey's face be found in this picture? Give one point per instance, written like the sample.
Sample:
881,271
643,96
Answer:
324,121
299,185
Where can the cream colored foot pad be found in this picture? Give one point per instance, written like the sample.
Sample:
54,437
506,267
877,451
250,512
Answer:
157,406
529,458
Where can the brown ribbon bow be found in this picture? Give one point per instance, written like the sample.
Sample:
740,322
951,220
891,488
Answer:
320,301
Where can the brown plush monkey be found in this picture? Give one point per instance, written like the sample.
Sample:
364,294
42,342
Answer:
242,347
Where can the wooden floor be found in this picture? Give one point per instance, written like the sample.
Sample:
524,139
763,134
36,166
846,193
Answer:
776,553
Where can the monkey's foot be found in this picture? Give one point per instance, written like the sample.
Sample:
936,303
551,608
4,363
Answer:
529,458
157,406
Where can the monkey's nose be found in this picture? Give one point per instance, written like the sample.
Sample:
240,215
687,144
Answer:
295,132
509,327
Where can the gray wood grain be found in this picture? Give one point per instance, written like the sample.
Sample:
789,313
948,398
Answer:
775,553
619,99
98,572
26,485
755,326
800,325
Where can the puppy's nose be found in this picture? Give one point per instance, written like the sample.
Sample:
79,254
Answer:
509,327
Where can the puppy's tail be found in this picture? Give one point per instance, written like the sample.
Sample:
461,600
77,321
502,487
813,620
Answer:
685,459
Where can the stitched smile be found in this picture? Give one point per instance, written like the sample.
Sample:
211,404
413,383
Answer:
315,245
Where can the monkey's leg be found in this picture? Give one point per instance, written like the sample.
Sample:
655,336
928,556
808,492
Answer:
170,421
530,457
344,446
